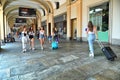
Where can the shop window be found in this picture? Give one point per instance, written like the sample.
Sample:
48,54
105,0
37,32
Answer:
99,15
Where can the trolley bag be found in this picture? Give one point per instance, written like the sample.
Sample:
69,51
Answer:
54,45
108,52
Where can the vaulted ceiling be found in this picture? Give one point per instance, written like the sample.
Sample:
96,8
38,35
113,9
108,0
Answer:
11,7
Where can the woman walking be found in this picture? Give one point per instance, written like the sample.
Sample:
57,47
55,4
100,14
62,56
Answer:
31,37
42,37
24,39
55,34
91,32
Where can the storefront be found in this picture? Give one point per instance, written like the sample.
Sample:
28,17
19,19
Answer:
60,23
99,15
104,15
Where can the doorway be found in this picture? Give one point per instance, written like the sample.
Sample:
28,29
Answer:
49,28
74,29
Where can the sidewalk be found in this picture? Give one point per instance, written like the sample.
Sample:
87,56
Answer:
70,62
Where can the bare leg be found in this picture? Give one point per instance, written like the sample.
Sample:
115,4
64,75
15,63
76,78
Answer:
32,43
42,42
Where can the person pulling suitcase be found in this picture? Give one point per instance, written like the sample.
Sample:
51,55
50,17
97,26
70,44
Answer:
92,35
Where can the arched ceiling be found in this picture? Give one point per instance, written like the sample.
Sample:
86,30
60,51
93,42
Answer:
11,7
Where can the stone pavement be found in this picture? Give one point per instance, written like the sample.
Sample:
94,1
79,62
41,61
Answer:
69,62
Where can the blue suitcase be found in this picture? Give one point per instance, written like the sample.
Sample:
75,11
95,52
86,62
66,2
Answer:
54,45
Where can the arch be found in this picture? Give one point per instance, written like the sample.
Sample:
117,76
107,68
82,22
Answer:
51,6
34,4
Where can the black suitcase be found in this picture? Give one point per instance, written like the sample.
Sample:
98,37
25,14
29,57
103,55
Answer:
108,52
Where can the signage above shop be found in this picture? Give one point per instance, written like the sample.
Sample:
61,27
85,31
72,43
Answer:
27,12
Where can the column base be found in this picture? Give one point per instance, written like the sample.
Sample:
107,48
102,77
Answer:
115,42
79,39
68,38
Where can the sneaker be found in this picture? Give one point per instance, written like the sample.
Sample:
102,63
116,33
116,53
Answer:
42,48
92,55
33,48
30,48
23,51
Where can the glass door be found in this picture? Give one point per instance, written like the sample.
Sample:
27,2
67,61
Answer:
99,15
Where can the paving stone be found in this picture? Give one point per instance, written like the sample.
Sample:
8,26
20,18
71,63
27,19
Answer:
70,62
48,72
4,73
108,73
92,68
26,69
99,77
71,75
116,68
12,78
91,78
6,64
28,76
68,58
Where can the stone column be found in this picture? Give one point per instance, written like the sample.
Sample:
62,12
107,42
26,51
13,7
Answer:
6,26
47,22
79,20
1,24
52,22
39,23
68,22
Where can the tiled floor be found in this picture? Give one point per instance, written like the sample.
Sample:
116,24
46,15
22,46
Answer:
69,62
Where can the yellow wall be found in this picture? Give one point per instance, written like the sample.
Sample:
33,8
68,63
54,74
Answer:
76,13
61,10
74,10
43,18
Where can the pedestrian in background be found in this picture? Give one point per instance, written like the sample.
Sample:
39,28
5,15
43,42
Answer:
55,34
42,37
24,38
31,37
49,38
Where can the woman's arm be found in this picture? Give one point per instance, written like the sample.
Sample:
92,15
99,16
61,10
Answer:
87,30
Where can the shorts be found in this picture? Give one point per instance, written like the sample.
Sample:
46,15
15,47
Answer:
30,36
41,36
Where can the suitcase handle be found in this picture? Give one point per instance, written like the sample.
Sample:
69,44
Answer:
100,43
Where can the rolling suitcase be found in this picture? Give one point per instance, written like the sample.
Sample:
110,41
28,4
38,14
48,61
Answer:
54,45
108,52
